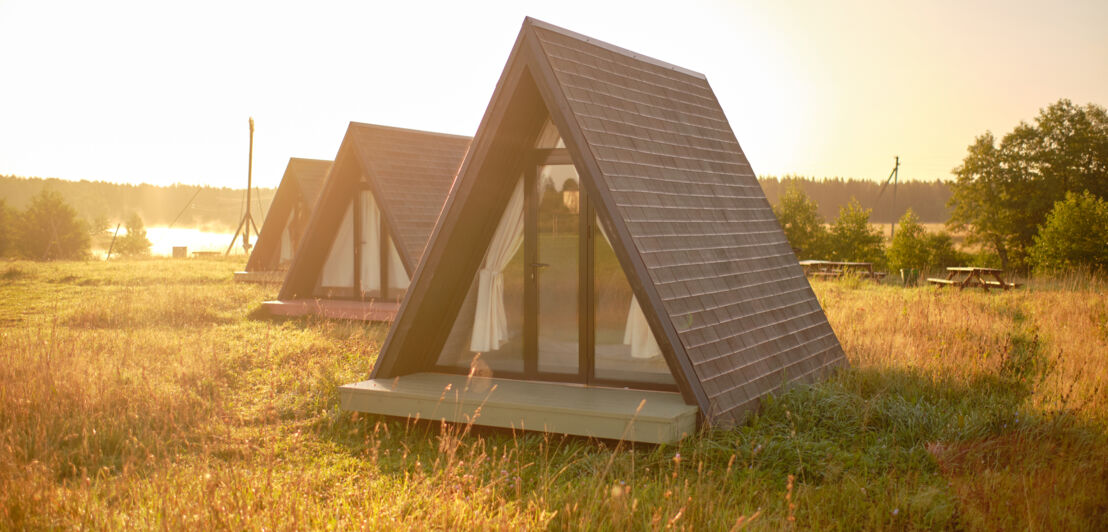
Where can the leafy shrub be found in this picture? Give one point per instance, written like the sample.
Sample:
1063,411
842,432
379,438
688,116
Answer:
50,230
803,226
909,246
134,243
941,252
853,239
6,220
914,247
1075,235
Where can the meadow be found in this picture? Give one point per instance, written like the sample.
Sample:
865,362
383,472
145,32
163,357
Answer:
154,394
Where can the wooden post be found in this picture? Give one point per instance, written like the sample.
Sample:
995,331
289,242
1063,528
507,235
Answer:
249,185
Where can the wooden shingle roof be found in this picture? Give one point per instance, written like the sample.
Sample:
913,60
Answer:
722,268
411,172
310,175
301,182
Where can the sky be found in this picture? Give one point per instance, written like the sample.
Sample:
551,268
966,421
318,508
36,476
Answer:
160,92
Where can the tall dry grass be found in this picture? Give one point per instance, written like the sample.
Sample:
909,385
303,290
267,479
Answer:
143,395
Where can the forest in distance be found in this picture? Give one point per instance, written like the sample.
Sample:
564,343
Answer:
211,208
220,208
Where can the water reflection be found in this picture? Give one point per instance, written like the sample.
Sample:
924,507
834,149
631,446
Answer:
164,239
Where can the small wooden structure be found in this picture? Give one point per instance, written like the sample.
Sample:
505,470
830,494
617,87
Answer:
661,293
372,221
972,276
826,269
286,221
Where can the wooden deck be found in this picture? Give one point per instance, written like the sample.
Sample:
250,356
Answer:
335,309
608,413
264,276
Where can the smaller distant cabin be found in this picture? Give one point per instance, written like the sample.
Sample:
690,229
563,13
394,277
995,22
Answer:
374,218
287,219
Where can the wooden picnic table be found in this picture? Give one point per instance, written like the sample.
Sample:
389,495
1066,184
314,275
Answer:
829,269
971,276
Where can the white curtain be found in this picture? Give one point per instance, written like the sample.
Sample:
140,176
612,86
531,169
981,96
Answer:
338,271
398,275
286,245
636,333
490,325
371,244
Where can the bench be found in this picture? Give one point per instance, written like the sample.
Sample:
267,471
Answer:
972,276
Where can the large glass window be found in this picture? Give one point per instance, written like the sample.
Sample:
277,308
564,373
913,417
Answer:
338,270
337,275
625,347
488,331
523,313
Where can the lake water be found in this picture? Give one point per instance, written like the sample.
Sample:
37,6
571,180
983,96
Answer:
163,239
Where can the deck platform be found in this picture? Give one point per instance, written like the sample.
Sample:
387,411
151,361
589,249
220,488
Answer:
263,277
335,309
608,413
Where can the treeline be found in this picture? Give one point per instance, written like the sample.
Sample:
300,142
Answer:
1035,200
213,208
928,199
221,208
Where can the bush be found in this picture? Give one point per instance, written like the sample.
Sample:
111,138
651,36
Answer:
6,220
914,247
1074,235
134,243
800,219
941,252
50,230
909,246
853,239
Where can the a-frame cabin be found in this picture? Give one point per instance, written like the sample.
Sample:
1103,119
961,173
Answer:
286,221
606,264
374,216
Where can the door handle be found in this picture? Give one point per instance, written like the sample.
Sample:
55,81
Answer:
539,265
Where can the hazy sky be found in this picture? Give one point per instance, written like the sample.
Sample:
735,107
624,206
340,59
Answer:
160,92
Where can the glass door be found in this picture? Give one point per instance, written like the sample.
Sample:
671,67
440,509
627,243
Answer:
556,269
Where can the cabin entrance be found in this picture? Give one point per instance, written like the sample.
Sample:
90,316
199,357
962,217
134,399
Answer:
551,300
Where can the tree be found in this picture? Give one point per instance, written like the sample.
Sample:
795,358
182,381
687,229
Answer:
914,247
134,243
1075,235
100,232
6,220
1003,192
803,226
941,252
50,230
853,238
908,248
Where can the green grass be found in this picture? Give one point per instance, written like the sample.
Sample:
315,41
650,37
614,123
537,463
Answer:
143,394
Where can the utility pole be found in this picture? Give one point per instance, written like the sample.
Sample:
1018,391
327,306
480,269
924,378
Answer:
894,177
247,219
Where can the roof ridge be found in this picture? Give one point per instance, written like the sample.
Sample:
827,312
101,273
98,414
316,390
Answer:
354,123
530,21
